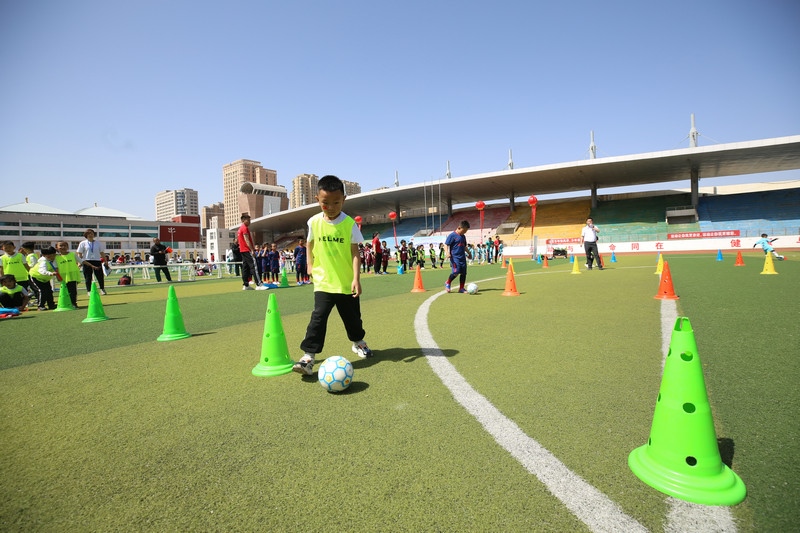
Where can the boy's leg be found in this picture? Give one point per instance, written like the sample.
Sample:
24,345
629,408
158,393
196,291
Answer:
157,271
314,340
72,289
349,309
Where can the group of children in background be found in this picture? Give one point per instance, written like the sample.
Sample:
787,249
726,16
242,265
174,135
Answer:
26,276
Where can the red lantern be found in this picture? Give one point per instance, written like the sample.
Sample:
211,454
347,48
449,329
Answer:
393,216
358,220
479,205
532,201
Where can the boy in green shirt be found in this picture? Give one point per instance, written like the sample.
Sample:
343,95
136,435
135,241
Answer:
333,261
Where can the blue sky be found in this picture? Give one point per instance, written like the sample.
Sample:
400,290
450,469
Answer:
109,102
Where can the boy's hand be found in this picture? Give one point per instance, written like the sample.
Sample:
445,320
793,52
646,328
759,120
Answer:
356,288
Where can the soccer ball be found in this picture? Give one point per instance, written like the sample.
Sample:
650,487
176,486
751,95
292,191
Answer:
335,373
472,288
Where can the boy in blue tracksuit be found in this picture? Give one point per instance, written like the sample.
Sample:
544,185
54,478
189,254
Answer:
457,245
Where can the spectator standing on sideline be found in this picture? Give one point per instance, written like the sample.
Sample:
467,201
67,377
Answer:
237,259
589,240
246,248
333,239
91,253
300,264
377,251
158,252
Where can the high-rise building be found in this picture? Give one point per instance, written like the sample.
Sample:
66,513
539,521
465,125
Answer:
233,176
351,188
304,190
210,211
171,204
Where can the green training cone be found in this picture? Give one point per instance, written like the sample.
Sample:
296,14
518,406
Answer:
681,457
173,320
95,312
64,303
284,279
275,359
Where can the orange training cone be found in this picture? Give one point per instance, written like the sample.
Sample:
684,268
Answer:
275,359
545,264
418,281
504,263
174,329
665,289
511,284
769,266
681,457
739,261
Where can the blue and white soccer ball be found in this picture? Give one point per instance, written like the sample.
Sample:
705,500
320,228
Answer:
472,288
335,373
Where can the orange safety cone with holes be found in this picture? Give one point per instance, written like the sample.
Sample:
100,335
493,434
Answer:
659,265
769,266
418,287
275,359
665,289
174,328
681,457
576,267
504,263
511,284
739,261
545,264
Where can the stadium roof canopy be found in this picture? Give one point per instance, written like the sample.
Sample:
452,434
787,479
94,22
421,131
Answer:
721,160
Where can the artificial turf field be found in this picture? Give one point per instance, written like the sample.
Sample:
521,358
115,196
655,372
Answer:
105,429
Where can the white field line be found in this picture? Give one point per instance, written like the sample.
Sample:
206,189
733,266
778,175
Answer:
587,503
686,517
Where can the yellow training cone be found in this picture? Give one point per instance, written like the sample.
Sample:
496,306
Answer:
660,265
769,268
576,268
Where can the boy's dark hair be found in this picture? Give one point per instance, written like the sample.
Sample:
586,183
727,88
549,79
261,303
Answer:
763,235
330,183
464,224
7,243
49,251
245,216
30,245
8,277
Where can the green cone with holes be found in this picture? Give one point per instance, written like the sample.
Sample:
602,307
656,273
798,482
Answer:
681,457
275,359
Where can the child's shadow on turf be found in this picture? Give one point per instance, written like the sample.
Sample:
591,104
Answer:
400,355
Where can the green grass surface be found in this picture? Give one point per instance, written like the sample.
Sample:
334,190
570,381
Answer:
105,429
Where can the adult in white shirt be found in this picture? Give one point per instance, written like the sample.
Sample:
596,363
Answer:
589,240
92,251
